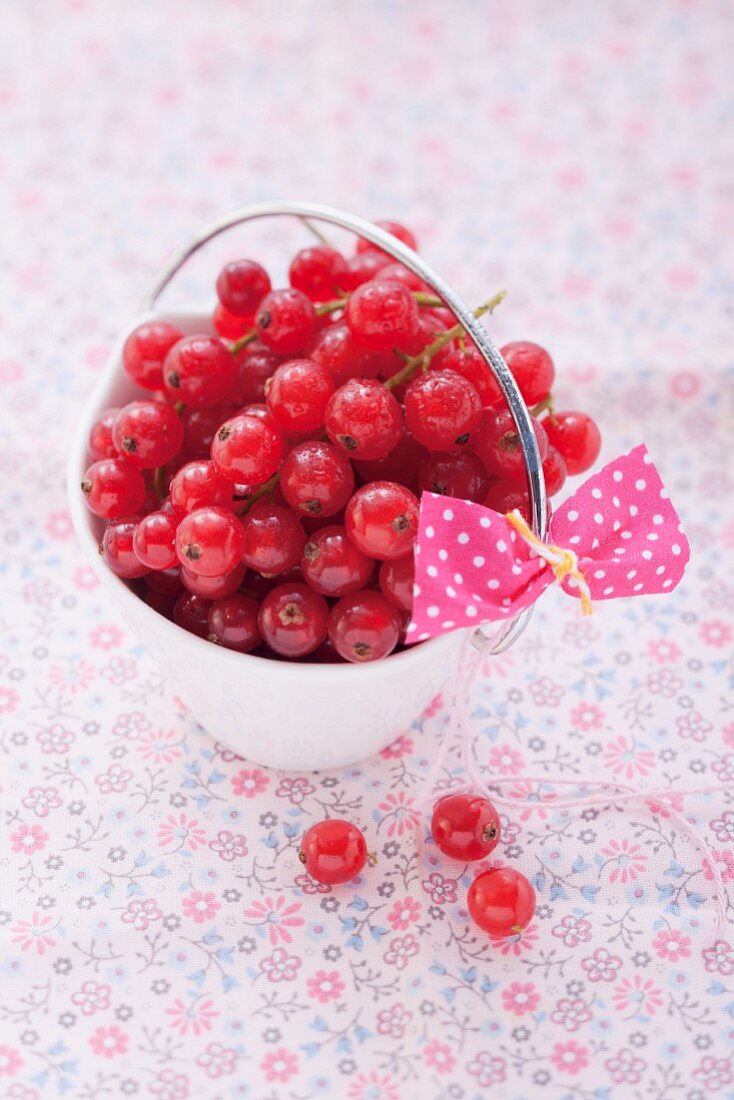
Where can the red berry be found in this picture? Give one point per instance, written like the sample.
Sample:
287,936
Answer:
147,433
113,488
498,444
381,316
395,272
364,419
471,365
145,350
255,365
506,496
335,350
401,464
165,581
459,475
210,541
396,581
286,320
199,483
230,327
192,613
317,272
199,370
532,369
364,626
232,623
316,478
501,901
442,410
465,826
100,436
200,426
362,268
160,602
554,472
382,520
396,229
293,619
576,436
241,286
333,851
297,395
155,540
333,565
247,450
274,539
213,588
118,552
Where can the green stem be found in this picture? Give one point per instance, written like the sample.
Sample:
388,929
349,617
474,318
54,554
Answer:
440,342
264,489
159,483
546,403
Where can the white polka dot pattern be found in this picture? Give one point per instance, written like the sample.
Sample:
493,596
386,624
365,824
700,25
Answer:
473,567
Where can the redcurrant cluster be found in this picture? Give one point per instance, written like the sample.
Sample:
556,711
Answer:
265,495
465,827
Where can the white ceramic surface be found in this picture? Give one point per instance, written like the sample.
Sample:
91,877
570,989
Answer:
275,713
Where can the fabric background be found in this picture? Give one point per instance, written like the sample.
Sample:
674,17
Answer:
158,937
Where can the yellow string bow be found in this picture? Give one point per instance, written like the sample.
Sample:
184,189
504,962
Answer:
564,563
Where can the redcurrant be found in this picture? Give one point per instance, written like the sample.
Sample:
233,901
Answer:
241,286
382,315
362,268
118,552
293,619
396,581
297,395
382,520
554,472
396,229
192,613
317,272
576,436
498,444
145,351
470,364
199,370
232,623
199,483
247,450
335,350
230,327
166,581
210,541
532,369
364,626
147,433
113,488
395,272
506,496
316,478
460,475
200,426
286,319
364,419
442,410
255,365
465,826
401,464
333,565
100,436
154,541
213,588
501,901
274,539
333,851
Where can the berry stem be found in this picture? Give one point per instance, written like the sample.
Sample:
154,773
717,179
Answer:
159,483
546,403
264,489
440,342
316,232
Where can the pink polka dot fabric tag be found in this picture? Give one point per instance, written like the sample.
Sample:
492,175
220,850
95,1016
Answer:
473,567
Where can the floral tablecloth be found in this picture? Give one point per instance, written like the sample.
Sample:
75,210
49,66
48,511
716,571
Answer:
158,937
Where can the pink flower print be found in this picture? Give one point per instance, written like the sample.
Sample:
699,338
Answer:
587,716
625,758
169,1085
181,832
55,739
692,726
373,1086
120,670
76,676
199,907
294,788
724,860
664,682
722,827
542,802
625,1068
720,959
602,966
105,636
229,846
225,754
663,651
400,950
22,1092
140,913
510,829
570,1057
115,779
92,997
520,997
280,966
442,890
662,807
637,996
724,768
404,912
249,782
196,1016
42,800
84,579
727,735
279,1065
35,934
671,946
325,986
310,885
401,746
714,632
398,811
159,746
9,700
572,930
109,1041
278,916
439,1056
10,1061
40,591
624,862
393,1021
714,1072
218,1060
518,944
546,693
130,725
28,839
505,760
571,1013
488,1069
58,525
